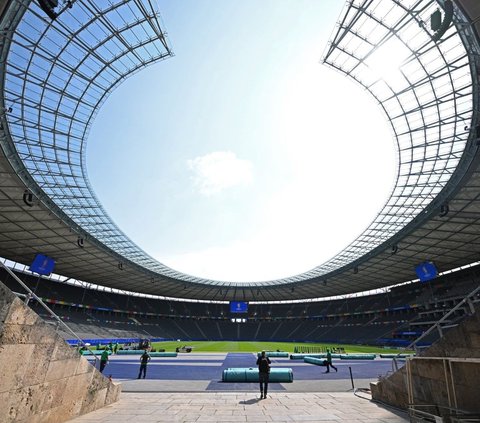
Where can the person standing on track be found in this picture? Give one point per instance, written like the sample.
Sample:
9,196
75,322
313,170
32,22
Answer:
263,363
329,362
103,360
144,359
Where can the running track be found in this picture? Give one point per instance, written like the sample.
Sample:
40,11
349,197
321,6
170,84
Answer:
209,367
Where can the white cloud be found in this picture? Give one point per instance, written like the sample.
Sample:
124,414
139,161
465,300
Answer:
220,170
339,174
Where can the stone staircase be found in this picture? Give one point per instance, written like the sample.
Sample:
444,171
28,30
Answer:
42,378
446,375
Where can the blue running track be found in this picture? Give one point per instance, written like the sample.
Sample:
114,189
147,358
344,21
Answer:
197,368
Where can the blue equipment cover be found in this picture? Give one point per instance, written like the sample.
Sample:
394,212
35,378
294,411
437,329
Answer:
250,374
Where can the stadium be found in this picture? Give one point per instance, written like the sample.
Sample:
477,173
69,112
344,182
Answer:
408,283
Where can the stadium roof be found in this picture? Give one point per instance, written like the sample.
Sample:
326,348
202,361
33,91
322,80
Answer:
57,74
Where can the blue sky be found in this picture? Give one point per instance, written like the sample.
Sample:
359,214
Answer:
242,157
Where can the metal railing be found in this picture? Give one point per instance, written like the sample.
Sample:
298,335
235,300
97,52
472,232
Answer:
60,322
444,412
467,300
426,413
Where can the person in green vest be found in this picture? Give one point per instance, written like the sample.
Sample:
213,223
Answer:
329,362
103,360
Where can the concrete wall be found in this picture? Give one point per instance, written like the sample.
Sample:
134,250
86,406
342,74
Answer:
450,382
42,379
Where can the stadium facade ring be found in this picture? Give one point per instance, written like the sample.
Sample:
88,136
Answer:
59,63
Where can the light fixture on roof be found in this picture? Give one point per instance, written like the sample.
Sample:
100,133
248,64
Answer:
444,209
438,25
436,20
48,6
28,198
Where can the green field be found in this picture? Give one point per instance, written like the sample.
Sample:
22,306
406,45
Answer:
247,346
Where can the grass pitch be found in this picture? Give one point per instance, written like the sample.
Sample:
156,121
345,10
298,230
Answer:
253,347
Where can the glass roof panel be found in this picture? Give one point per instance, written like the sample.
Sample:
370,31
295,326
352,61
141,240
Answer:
59,73
419,83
